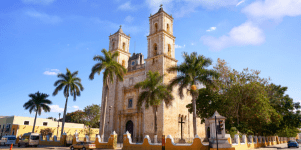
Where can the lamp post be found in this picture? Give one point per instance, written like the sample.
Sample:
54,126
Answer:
216,128
109,115
58,125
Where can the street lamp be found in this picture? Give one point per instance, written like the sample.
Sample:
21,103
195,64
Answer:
58,125
109,115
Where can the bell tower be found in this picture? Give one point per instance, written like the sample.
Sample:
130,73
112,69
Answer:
161,43
120,42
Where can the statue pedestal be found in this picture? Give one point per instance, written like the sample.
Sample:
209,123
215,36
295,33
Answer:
182,141
222,143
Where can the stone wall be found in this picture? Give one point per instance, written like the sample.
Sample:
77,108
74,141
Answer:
169,144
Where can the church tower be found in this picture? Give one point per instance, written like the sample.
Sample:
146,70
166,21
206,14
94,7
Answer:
161,44
120,42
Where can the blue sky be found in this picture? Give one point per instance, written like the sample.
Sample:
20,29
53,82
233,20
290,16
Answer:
40,38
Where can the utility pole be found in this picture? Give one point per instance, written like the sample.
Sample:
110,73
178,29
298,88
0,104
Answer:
216,127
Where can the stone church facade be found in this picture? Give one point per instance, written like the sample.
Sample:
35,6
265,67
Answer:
121,112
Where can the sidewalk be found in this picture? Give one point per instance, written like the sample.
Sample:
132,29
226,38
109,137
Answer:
275,147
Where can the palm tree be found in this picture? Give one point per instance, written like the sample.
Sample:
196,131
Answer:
192,72
37,103
71,84
154,92
111,68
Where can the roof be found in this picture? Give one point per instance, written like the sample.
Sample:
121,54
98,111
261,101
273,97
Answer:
218,116
120,30
161,10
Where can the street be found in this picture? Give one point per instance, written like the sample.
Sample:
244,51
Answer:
34,148
39,148
274,147
278,147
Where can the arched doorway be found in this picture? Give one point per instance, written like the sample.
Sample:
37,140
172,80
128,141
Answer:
130,127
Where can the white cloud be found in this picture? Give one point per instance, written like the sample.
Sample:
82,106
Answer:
273,9
75,107
44,17
43,2
245,34
51,72
56,108
127,6
211,29
240,3
178,46
129,19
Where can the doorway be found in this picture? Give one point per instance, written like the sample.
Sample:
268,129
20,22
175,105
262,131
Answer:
130,128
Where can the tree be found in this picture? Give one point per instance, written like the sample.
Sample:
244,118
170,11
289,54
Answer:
154,92
51,118
76,117
92,115
250,103
111,69
37,103
46,131
192,72
284,105
72,86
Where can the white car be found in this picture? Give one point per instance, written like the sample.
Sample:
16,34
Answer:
8,140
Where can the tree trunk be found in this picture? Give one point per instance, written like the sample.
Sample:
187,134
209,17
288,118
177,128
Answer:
195,131
156,128
64,117
156,113
35,119
103,117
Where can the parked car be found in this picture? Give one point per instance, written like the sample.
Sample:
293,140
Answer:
8,140
82,145
299,141
29,139
292,144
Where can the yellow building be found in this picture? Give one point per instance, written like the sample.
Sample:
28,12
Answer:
17,125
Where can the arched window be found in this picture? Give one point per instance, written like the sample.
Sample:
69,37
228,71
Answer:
113,45
155,50
169,50
130,103
123,46
167,28
156,27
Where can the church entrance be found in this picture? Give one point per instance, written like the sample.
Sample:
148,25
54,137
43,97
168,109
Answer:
130,128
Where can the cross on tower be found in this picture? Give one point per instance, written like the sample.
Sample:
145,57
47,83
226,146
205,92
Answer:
161,5
120,26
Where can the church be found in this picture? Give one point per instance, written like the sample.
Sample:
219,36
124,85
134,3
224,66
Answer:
121,112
